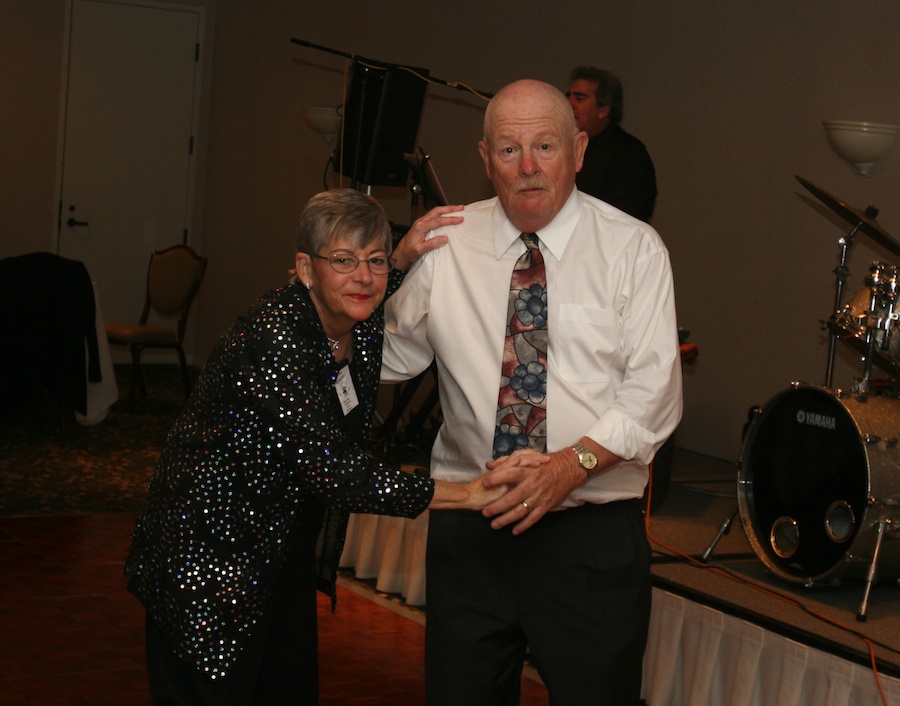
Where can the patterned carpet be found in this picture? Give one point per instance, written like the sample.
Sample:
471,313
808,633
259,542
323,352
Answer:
54,466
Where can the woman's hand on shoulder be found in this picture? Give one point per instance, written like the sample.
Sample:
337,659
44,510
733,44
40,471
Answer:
416,241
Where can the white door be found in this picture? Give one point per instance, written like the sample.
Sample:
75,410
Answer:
132,94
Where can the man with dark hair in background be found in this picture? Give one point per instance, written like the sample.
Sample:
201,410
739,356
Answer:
617,167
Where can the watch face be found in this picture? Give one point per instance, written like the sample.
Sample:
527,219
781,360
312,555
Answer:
586,457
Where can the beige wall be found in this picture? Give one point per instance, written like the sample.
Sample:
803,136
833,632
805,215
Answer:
728,96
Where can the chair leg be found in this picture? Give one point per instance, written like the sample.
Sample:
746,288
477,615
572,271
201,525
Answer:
185,378
137,379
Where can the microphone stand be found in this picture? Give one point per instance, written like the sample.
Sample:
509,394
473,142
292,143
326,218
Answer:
384,64
368,67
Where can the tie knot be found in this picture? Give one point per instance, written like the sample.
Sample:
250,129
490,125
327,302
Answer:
531,240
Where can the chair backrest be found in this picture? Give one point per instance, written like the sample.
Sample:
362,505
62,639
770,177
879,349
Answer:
173,277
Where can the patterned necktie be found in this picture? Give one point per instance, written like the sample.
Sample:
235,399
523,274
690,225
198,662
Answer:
522,404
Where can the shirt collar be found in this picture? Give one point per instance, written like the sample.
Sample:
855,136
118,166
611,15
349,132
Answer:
555,236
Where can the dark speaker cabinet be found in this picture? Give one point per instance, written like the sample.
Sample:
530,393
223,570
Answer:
380,122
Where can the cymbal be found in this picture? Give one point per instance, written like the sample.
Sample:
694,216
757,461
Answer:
854,217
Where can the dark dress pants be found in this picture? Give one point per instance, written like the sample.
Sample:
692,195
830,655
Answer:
574,591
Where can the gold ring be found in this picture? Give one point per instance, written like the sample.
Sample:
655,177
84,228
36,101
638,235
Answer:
526,505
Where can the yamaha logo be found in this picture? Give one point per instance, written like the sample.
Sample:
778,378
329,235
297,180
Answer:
816,420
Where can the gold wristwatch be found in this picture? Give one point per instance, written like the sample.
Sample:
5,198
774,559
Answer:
586,458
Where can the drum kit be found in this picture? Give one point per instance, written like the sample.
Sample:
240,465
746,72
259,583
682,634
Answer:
819,474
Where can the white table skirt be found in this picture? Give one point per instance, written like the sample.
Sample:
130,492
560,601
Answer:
390,550
696,655
103,394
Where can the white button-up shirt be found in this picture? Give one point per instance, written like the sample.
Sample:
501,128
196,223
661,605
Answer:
614,364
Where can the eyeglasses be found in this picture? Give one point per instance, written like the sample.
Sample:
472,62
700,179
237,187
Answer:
345,263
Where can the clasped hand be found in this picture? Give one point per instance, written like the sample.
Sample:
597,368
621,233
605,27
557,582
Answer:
534,484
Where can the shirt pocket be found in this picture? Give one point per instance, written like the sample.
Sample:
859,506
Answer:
589,342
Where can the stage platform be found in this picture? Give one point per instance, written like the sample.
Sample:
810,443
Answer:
805,641
726,631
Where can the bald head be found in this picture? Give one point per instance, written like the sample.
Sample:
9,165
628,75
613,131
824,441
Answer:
532,150
530,96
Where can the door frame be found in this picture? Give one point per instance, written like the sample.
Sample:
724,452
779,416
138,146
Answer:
199,119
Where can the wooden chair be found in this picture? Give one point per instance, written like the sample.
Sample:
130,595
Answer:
173,277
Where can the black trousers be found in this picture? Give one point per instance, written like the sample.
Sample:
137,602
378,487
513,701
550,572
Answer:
279,663
574,591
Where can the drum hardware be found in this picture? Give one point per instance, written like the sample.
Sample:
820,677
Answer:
860,221
868,321
880,316
884,525
840,277
817,464
724,529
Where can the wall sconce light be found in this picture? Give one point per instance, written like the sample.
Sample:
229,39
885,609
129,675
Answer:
863,145
325,121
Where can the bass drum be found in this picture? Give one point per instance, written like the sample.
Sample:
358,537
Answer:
818,472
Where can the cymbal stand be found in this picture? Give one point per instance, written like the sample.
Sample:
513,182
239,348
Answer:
841,272
840,278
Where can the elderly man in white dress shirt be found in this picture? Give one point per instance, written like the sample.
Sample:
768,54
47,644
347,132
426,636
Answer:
560,565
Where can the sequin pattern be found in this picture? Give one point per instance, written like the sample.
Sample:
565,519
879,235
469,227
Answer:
261,439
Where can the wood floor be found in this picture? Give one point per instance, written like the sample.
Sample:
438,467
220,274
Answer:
70,634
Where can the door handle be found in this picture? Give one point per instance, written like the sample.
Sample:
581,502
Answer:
72,223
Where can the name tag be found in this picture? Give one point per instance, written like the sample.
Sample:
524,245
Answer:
345,391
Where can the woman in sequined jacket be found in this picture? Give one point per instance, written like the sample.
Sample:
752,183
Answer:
265,462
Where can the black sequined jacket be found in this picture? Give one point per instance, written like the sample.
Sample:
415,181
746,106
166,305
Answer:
261,439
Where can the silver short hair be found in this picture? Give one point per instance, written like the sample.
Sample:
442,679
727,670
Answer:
342,213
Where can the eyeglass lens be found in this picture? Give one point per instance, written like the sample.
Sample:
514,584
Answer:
345,263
